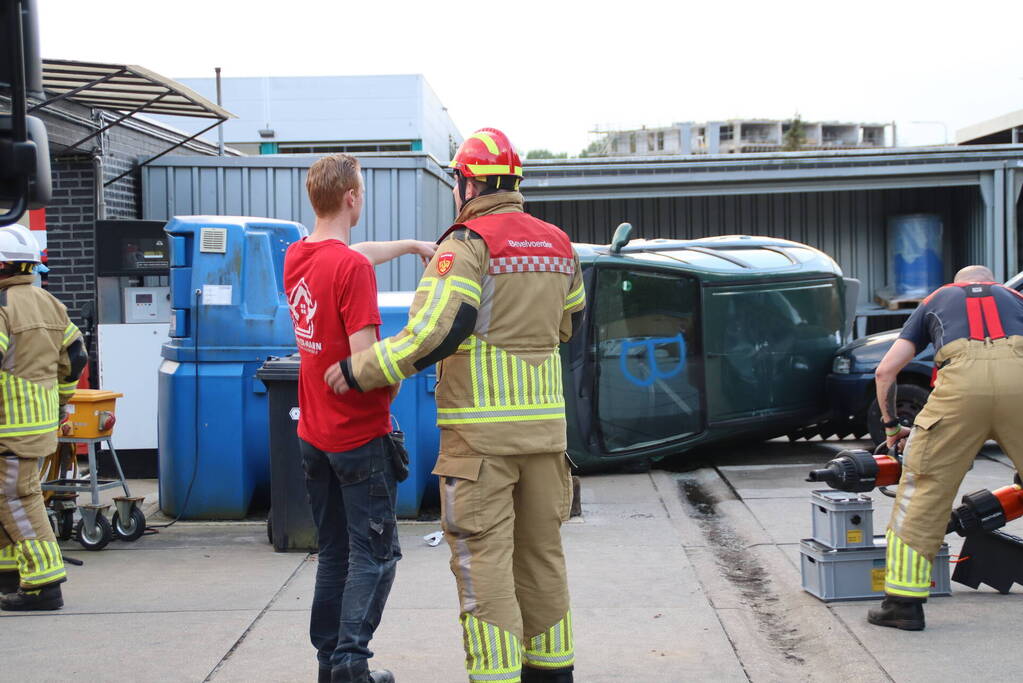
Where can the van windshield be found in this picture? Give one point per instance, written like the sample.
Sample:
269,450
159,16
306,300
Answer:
649,361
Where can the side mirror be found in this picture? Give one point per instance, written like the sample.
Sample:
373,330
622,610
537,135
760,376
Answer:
623,233
24,149
24,164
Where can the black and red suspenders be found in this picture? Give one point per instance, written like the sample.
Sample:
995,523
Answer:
982,312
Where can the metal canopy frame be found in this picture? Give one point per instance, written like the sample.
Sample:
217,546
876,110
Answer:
127,89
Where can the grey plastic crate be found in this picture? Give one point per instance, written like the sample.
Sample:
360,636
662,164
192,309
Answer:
858,573
842,520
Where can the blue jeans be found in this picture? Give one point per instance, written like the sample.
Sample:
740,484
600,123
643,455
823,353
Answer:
352,495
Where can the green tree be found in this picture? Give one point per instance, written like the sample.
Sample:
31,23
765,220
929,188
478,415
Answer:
595,149
795,136
545,154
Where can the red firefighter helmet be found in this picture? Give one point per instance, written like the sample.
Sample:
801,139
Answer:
487,152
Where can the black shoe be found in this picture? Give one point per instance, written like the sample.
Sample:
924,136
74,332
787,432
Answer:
381,676
9,582
907,614
562,675
45,598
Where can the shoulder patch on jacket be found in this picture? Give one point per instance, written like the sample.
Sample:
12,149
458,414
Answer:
445,261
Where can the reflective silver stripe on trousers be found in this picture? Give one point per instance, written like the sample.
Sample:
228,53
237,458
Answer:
461,546
12,468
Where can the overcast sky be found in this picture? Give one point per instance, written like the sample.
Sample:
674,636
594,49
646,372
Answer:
550,72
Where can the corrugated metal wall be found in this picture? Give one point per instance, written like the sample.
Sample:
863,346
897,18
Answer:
850,226
407,197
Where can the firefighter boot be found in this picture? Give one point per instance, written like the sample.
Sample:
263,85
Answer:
45,598
9,582
904,613
562,675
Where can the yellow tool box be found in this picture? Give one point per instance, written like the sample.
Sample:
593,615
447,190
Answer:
90,413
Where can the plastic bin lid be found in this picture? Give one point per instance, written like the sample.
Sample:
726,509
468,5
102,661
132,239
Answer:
284,368
93,395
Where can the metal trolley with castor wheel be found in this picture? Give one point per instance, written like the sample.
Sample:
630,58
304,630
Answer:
91,421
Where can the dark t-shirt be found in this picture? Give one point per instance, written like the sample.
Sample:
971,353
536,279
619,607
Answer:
332,293
974,310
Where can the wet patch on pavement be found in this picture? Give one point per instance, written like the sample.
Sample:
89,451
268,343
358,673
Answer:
742,569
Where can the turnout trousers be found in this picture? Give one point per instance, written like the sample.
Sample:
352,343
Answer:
501,516
976,397
27,543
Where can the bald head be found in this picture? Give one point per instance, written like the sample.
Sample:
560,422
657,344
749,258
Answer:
975,274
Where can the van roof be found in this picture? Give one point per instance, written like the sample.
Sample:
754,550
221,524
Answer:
728,254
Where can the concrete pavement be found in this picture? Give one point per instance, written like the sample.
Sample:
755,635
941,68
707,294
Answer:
675,576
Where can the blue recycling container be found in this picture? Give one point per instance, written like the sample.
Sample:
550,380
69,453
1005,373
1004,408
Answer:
415,410
915,242
228,314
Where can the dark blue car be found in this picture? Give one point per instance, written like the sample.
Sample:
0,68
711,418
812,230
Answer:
851,382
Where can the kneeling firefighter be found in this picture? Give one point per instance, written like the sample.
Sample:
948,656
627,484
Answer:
976,327
503,290
41,357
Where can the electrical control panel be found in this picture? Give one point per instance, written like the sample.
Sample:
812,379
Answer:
146,304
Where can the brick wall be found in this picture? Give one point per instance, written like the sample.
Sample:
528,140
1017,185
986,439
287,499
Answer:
70,221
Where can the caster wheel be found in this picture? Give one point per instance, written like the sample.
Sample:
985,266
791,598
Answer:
132,529
65,524
98,538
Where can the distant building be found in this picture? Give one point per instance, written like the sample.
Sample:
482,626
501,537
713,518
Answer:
738,136
321,115
1007,129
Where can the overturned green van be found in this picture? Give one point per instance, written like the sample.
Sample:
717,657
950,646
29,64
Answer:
687,343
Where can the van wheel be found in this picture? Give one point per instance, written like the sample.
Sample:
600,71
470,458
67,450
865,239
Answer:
909,400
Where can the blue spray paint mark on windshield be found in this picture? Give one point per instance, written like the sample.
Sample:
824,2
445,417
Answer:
651,344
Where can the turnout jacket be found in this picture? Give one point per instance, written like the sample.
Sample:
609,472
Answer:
36,375
492,307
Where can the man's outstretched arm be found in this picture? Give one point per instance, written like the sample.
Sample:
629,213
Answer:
442,315
382,252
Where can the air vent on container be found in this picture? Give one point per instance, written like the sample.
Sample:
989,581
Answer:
213,241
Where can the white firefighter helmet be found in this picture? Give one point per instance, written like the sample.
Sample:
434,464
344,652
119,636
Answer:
17,245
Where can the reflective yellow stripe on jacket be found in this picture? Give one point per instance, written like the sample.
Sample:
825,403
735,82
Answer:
393,352
28,408
506,388
70,332
575,297
5,342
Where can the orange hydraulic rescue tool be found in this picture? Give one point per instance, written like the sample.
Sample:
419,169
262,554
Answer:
858,471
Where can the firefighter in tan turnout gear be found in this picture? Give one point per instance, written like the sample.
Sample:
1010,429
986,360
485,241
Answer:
42,356
976,328
492,308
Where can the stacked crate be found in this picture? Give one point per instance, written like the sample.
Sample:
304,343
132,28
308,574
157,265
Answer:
844,560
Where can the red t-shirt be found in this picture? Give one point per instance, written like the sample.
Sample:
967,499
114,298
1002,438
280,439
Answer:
332,293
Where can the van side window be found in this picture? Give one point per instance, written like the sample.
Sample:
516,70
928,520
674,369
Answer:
647,348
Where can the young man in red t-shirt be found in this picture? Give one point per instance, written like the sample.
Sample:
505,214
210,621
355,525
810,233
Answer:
332,294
